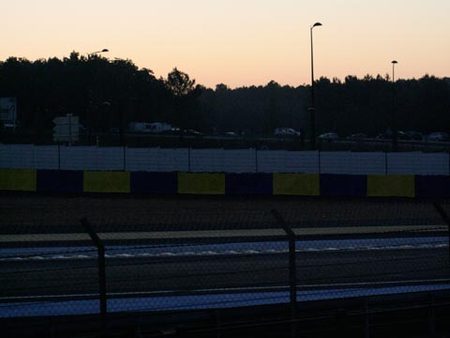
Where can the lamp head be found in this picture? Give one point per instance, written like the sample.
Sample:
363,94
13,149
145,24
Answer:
394,62
316,24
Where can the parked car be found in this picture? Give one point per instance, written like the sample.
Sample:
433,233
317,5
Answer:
414,135
357,136
286,132
192,132
438,136
329,137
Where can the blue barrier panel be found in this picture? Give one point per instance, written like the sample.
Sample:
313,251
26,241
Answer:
154,183
343,185
432,186
61,181
243,184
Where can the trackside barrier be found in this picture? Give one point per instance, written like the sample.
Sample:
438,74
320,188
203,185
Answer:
276,184
236,161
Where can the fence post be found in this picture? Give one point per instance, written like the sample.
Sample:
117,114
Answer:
124,151
101,264
385,163
292,269
256,159
189,158
446,219
319,159
59,156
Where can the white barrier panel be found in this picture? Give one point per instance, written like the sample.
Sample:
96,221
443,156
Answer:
284,161
92,158
240,161
220,160
350,163
46,157
157,159
418,163
17,156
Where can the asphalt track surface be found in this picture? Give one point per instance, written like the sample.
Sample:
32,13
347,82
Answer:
202,268
28,213
42,279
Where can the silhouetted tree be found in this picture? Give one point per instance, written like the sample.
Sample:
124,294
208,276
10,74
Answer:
111,93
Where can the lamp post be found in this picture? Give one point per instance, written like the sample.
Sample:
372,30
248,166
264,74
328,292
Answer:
104,50
312,108
394,119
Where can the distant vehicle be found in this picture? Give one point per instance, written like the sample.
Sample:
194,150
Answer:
171,131
286,132
191,132
401,135
329,137
357,136
154,127
230,133
438,136
414,135
387,135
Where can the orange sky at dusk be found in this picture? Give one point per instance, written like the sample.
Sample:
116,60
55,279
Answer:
238,42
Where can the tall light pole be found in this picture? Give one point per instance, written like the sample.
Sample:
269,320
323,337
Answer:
394,119
313,107
394,62
104,50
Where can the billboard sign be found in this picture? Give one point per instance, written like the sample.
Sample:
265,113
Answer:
8,110
67,129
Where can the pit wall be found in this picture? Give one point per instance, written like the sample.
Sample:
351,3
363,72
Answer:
187,183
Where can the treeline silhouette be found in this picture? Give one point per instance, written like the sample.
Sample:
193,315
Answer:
109,94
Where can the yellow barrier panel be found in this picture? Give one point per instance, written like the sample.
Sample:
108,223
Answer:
18,179
391,186
296,184
201,183
106,181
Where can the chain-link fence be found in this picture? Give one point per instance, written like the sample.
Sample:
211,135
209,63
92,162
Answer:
82,255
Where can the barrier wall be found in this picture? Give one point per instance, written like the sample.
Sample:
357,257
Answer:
432,186
278,184
296,184
18,179
343,185
248,184
204,184
390,186
60,181
236,161
154,183
106,181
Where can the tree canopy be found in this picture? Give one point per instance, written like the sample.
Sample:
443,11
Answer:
109,94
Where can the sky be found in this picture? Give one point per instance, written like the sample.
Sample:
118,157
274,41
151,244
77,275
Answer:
238,42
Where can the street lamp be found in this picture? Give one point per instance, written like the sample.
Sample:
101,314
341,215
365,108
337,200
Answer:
104,50
394,119
394,62
312,108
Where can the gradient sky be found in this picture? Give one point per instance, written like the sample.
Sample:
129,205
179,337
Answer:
238,42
